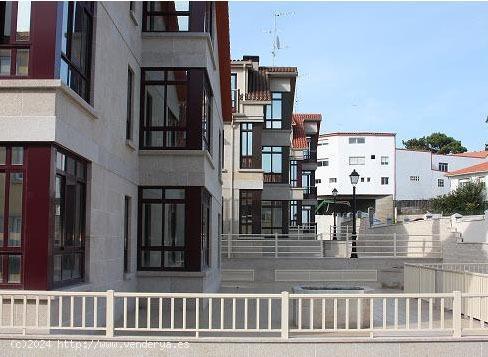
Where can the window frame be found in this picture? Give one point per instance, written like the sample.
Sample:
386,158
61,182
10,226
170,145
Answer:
358,161
246,136
271,120
272,205
385,181
440,183
129,131
385,160
443,166
272,176
8,168
127,232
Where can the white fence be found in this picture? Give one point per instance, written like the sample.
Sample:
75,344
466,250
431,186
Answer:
321,246
285,315
469,278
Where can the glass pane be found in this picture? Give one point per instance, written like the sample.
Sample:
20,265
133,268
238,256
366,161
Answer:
22,64
154,75
182,5
154,112
64,35
23,20
3,155
151,259
64,72
175,139
152,193
80,170
152,229
5,59
277,164
2,205
174,259
58,211
153,138
68,261
174,193
60,161
80,213
6,10
14,268
70,165
173,23
15,209
176,105
174,224
77,266
57,268
77,36
17,155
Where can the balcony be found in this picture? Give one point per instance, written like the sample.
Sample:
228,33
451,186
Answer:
310,193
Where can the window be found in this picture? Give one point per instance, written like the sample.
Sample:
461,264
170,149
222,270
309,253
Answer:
163,237
293,173
246,146
166,16
132,5
357,140
308,183
245,211
323,143
206,117
440,183
164,123
234,92
273,164
443,166
323,162
373,157
368,179
414,178
76,46
130,101
272,114
11,208
384,180
362,179
332,180
385,160
293,213
15,23
306,215
318,181
272,216
127,210
206,217
356,160
69,220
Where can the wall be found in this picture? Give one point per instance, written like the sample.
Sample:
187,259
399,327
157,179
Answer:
478,177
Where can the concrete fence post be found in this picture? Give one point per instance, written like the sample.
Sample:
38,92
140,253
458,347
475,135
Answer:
346,251
456,314
395,244
285,308
276,244
109,314
322,253
229,246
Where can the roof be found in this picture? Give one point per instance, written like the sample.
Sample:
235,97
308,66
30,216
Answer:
357,133
483,167
259,84
299,138
477,154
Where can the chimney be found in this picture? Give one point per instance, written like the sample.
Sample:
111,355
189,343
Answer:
253,59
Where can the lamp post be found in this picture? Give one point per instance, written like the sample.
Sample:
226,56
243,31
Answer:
334,195
354,176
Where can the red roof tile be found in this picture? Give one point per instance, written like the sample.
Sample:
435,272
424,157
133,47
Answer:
307,116
470,170
299,137
477,154
259,84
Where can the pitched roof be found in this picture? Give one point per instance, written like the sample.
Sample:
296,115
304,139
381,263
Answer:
259,83
299,138
483,167
358,133
477,154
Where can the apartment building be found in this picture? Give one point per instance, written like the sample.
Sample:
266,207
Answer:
372,155
269,152
111,127
421,175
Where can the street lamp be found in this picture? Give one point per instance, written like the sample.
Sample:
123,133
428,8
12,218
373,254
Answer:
354,176
334,195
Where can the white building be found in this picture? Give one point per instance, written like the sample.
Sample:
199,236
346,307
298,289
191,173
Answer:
421,175
372,155
475,173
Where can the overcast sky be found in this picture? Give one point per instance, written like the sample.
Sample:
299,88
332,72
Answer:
409,68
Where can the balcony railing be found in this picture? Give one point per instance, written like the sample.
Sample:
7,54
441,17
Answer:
310,155
310,192
184,316
270,177
235,100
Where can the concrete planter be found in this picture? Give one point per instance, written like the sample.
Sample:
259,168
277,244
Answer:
329,307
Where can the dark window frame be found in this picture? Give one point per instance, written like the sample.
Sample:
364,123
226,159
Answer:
130,104
269,118
234,92
83,76
127,231
273,205
443,166
294,181
246,136
8,168
245,211
207,101
271,176
206,232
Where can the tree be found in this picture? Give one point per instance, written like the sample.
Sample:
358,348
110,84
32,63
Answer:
437,143
467,199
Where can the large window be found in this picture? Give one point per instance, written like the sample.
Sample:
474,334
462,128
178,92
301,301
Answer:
356,160
293,213
360,140
130,104
127,213
245,211
206,219
234,92
163,220
206,117
273,112
273,164
246,145
69,219
272,216
15,23
11,217
293,173
76,46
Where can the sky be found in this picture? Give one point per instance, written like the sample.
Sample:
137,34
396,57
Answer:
407,68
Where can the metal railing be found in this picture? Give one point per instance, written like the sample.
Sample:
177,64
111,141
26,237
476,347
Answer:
285,315
304,245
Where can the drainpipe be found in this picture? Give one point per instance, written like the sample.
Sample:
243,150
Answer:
231,227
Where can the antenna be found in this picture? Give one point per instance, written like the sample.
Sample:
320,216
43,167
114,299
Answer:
276,40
